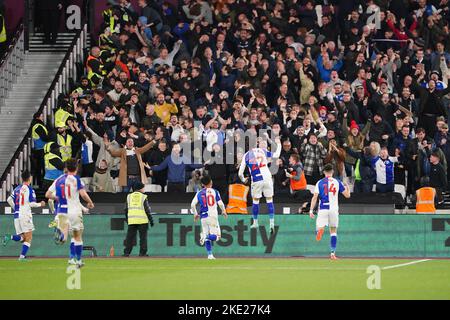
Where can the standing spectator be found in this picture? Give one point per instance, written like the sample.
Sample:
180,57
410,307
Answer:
50,13
131,164
164,109
380,131
156,157
384,169
431,106
314,153
176,164
442,140
438,176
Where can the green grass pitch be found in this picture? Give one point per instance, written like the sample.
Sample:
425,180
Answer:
226,278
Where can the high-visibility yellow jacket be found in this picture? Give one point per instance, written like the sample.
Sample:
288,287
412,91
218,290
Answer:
136,209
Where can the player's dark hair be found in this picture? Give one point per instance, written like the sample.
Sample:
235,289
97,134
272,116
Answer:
26,175
71,165
328,167
205,180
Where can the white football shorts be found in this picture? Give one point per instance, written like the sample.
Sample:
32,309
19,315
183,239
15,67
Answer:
210,225
327,218
24,224
261,188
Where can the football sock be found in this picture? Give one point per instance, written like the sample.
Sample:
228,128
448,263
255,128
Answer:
16,237
271,210
255,211
333,242
25,247
78,249
72,249
212,237
208,246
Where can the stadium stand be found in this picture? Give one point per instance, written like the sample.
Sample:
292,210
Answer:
360,85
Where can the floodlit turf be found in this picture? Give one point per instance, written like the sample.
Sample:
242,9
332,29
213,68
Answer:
237,278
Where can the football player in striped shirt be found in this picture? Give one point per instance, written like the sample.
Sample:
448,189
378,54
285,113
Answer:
257,160
66,192
208,199
327,191
22,199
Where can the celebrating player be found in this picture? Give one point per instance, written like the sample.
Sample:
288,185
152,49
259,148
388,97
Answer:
327,190
208,198
257,161
22,199
66,191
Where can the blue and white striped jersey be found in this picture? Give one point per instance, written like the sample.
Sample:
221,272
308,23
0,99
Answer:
384,169
66,188
328,190
208,199
24,199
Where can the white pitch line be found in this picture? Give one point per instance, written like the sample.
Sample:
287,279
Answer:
404,264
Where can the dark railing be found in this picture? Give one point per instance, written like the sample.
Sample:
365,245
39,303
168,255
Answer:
12,62
60,84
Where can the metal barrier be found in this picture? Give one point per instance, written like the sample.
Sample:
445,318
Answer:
22,157
11,63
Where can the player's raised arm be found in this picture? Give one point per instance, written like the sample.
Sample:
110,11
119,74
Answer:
242,169
277,152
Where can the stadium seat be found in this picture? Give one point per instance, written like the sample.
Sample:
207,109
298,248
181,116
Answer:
400,189
152,188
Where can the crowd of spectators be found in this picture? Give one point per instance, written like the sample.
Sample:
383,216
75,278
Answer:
362,85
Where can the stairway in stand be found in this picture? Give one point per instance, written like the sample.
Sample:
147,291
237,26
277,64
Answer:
62,44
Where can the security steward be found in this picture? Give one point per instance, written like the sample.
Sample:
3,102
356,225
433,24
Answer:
237,198
54,166
3,38
95,67
425,197
39,133
137,212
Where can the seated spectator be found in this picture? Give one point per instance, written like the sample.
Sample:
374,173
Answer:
102,181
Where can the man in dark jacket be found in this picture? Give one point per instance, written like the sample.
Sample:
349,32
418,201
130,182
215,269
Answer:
50,13
380,131
438,176
431,106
